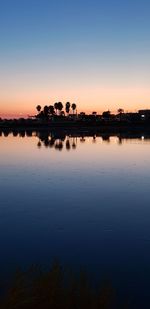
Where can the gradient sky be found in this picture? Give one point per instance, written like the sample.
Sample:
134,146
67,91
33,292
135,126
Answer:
95,53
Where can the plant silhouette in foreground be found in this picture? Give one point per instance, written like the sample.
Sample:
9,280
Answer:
56,289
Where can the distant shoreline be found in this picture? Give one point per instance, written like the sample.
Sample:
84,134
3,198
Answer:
99,127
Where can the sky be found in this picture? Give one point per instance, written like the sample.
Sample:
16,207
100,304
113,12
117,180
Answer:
91,52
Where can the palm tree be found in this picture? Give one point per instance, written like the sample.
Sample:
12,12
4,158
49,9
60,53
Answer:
106,115
46,111
67,107
51,110
120,110
73,106
60,106
38,108
56,107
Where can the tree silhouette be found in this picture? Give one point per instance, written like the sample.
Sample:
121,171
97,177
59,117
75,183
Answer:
120,110
56,107
106,115
68,107
38,108
51,110
73,106
46,111
60,106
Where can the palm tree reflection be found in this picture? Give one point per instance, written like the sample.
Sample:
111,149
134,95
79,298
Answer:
60,140
74,143
39,144
106,138
58,144
94,138
68,144
82,139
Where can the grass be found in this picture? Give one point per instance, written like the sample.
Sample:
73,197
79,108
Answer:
56,288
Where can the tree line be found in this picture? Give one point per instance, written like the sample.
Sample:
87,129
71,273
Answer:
56,109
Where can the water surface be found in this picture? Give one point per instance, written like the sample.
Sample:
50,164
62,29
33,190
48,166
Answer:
83,199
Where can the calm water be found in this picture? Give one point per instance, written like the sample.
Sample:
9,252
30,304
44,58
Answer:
85,200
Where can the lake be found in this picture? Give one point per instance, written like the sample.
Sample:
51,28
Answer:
83,198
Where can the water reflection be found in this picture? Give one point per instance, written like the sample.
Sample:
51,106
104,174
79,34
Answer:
85,206
68,140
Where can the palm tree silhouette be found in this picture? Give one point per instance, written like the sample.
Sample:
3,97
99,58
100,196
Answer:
120,111
51,110
60,106
73,106
38,108
67,107
56,107
46,111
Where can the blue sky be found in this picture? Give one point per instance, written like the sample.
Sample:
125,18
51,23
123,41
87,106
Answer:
76,50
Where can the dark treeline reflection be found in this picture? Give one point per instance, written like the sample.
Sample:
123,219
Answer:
56,141
68,140
58,288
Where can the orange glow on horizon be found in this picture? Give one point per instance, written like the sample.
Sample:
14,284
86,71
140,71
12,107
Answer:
88,100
